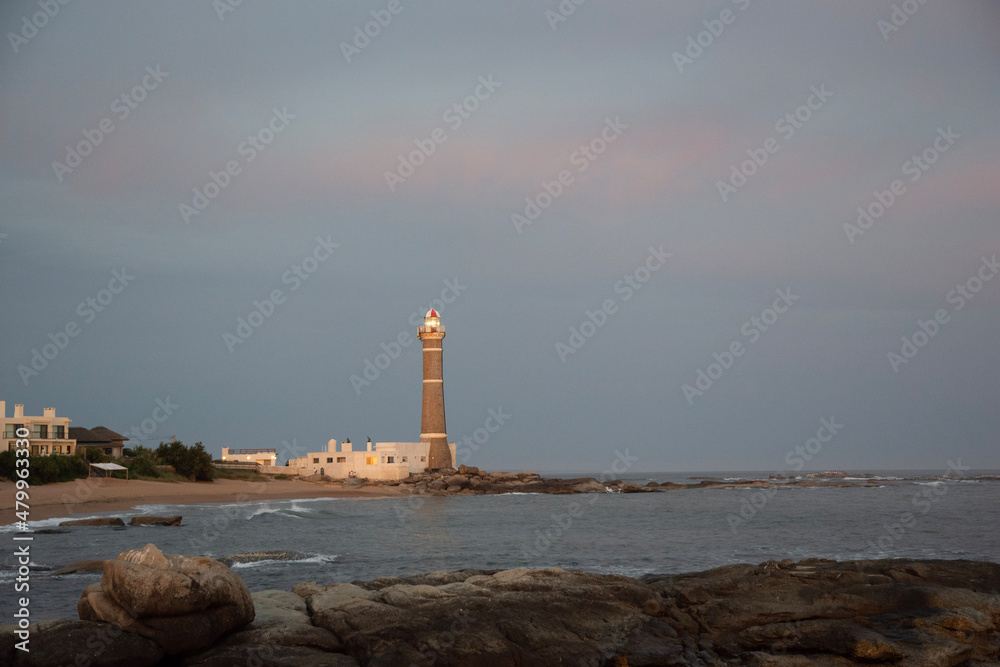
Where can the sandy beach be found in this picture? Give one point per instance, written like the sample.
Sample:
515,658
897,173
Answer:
88,496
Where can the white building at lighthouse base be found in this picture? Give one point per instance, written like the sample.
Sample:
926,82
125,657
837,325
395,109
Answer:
383,460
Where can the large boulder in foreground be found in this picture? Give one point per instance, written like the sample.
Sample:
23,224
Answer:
183,603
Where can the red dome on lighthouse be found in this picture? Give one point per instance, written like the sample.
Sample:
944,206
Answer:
431,313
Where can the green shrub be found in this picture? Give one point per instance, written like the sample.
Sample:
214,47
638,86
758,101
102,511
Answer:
191,462
93,455
45,469
143,466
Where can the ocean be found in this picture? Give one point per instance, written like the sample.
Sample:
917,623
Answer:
668,532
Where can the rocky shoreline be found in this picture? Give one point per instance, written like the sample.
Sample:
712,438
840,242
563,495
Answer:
471,481
156,609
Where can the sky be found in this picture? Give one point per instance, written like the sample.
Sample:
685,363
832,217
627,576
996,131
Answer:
729,235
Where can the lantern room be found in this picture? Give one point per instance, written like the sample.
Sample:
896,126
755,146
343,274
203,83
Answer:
432,321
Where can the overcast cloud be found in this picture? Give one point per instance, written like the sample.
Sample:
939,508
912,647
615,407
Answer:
309,128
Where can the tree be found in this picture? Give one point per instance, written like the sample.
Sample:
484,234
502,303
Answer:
193,462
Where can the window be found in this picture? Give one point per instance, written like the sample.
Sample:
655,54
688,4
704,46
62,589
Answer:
403,459
423,458
40,431
329,459
341,459
59,432
10,430
107,450
370,460
391,459
316,460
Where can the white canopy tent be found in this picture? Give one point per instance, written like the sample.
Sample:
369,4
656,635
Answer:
108,468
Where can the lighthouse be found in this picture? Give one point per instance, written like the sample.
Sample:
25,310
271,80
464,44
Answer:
432,428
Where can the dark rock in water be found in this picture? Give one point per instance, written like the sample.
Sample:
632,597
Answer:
183,603
828,474
630,487
79,643
155,521
50,531
460,481
103,521
258,556
81,566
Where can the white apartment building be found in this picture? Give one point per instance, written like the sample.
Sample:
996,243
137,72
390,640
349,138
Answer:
48,434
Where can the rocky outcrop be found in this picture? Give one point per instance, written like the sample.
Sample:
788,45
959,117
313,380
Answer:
281,634
80,566
784,614
183,603
468,480
258,556
58,643
103,521
779,614
155,521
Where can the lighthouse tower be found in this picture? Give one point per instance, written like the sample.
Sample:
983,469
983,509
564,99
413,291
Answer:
432,429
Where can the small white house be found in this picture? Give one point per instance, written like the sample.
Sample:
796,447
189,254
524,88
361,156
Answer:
265,457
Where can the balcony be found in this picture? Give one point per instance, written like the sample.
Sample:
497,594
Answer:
423,329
